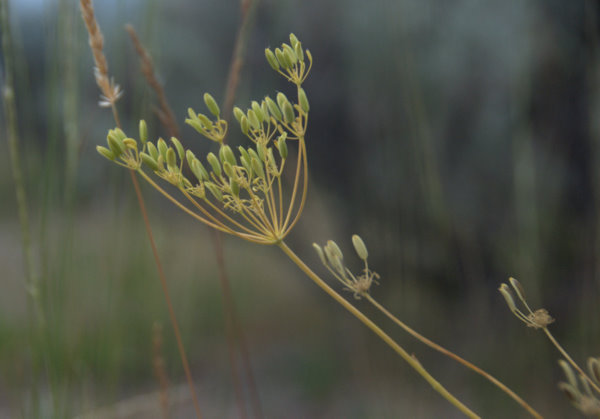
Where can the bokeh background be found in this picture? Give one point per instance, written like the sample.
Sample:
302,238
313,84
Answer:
460,139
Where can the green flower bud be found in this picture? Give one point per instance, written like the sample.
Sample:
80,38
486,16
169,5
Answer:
178,146
116,146
257,168
192,114
149,161
214,163
299,52
214,190
281,59
265,110
303,100
162,148
271,59
293,40
130,143
243,153
281,100
359,246
152,150
253,154
238,113
206,123
288,113
120,135
308,55
105,152
247,165
290,55
226,155
258,111
262,151
273,109
234,186
335,250
244,125
211,104
282,146
171,158
271,160
253,119
227,168
195,123
143,131
199,171
189,157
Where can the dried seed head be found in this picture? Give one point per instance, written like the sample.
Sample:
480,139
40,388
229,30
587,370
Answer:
359,246
540,319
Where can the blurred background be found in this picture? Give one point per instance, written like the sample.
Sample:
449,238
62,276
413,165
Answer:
459,138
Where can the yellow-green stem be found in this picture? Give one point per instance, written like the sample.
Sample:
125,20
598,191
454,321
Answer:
455,357
412,361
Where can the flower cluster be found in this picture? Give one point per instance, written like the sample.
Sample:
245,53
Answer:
241,192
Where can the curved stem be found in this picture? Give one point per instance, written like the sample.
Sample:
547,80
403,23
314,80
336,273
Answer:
411,360
455,357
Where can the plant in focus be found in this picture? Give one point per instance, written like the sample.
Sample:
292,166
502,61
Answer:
242,192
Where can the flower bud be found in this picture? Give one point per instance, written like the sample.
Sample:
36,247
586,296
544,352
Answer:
234,186
226,155
288,113
178,146
171,159
214,190
271,59
214,163
198,170
116,146
238,113
211,104
281,59
282,146
105,152
258,111
253,119
299,52
303,100
273,109
293,40
149,161
257,168
143,131
290,55
162,148
152,150
359,246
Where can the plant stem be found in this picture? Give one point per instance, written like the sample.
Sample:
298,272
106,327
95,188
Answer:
568,358
165,288
452,355
411,360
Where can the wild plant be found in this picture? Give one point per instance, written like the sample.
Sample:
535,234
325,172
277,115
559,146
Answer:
246,193
581,388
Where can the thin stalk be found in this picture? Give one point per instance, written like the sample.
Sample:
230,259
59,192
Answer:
163,282
568,358
411,360
452,355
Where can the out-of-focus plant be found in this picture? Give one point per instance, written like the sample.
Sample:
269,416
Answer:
581,388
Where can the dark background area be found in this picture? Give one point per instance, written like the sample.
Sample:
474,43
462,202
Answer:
459,138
